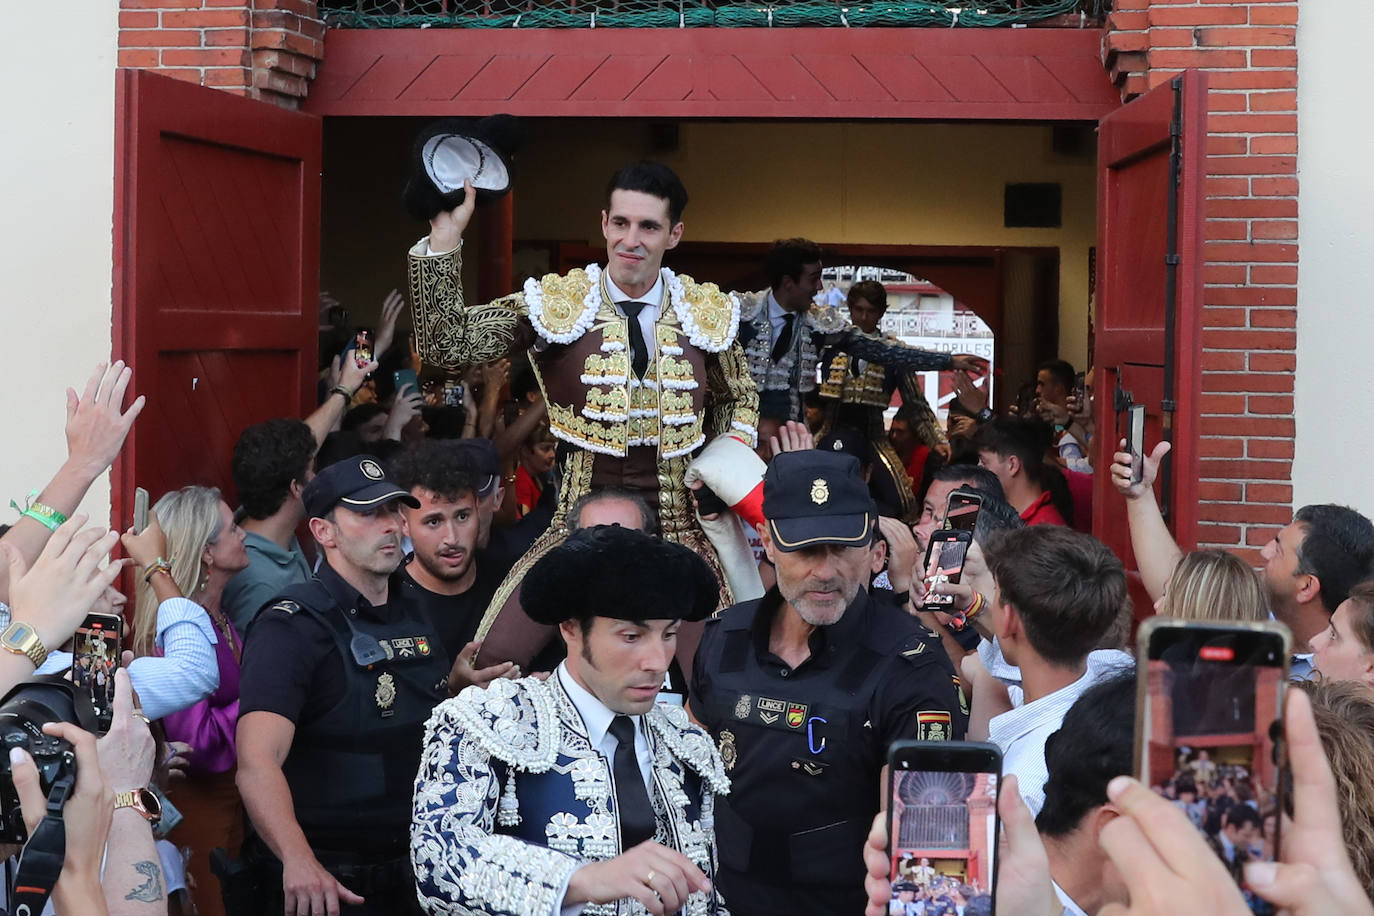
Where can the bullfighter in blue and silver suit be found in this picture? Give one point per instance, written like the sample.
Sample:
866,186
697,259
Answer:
581,789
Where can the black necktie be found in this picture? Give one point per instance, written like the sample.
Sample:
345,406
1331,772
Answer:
639,352
636,814
784,341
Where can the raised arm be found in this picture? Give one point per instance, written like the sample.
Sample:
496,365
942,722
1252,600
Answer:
96,430
1156,552
448,332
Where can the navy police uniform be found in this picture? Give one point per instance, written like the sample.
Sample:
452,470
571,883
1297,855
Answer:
358,681
804,747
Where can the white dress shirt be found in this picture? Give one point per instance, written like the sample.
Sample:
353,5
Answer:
1021,732
1070,908
653,300
597,716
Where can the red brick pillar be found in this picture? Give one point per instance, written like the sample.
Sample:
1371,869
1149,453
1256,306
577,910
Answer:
266,49
1249,339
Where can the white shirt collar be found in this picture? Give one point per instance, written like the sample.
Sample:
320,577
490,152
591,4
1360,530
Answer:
1070,908
596,715
653,297
775,311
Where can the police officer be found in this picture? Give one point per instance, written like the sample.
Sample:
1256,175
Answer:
804,689
339,676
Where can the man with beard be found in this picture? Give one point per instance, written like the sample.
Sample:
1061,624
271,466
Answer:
445,575
339,675
805,688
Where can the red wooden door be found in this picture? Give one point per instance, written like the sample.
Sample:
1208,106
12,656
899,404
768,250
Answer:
1148,350
216,273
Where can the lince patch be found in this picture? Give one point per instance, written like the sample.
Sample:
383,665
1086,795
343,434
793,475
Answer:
933,725
772,712
405,647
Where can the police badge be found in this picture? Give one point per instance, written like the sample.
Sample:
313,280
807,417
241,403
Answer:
386,693
742,707
728,752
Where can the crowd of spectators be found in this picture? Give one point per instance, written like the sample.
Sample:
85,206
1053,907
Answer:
1035,637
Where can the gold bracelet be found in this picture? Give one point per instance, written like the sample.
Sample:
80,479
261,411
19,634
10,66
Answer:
155,567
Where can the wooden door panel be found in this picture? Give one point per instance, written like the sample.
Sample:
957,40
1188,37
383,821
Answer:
1151,156
216,274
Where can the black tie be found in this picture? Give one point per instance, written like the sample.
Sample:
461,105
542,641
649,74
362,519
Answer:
784,340
640,353
636,814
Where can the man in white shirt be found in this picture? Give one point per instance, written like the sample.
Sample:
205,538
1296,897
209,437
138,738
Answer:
1059,592
540,798
1091,748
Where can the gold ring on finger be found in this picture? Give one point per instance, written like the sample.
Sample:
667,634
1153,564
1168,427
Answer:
649,878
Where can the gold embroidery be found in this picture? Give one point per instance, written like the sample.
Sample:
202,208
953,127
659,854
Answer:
712,310
564,300
449,333
607,438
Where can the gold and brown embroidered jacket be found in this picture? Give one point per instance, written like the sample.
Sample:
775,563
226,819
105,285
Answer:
636,432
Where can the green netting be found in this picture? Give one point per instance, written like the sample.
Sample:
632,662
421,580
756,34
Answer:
571,14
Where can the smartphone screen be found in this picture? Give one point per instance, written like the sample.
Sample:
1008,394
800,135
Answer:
403,377
961,512
95,656
945,563
1135,441
942,826
1209,706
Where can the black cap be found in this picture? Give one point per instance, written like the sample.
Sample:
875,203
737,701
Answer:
610,571
484,461
815,497
357,483
905,886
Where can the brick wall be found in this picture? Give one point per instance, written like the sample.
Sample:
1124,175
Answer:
1250,274
266,49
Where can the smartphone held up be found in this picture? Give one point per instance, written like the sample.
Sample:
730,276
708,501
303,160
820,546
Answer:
942,826
1209,705
96,649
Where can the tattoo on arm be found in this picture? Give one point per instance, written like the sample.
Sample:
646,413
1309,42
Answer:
150,890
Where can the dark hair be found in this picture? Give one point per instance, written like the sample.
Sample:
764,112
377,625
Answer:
652,178
974,477
1060,371
359,415
1337,548
1092,747
1026,438
1362,614
433,465
339,446
788,258
996,514
1067,587
1239,815
872,291
647,516
267,459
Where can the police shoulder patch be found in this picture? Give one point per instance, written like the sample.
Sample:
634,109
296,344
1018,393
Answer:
286,605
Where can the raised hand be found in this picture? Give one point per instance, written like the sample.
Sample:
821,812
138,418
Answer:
57,592
96,428
446,227
386,328
1121,470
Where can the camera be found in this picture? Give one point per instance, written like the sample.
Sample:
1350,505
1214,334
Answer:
23,713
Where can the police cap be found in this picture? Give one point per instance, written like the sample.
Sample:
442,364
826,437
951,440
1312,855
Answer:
610,571
359,483
815,497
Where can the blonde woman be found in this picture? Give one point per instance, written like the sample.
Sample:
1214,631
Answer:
203,548
1213,585
1344,712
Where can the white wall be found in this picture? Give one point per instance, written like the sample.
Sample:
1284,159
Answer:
56,210
1335,420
